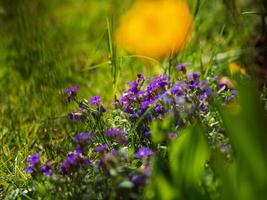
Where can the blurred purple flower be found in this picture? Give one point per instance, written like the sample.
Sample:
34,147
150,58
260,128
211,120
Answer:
143,152
72,90
46,169
75,116
114,132
194,76
181,67
34,159
95,101
29,169
83,137
101,148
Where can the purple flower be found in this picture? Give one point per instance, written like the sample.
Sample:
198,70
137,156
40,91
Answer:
85,161
46,169
101,148
72,158
140,76
95,100
181,67
222,86
194,76
83,137
147,133
29,169
138,179
143,152
79,150
193,84
177,91
145,104
114,132
158,109
72,90
75,116
64,166
34,159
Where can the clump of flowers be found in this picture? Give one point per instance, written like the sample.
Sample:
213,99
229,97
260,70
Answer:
120,156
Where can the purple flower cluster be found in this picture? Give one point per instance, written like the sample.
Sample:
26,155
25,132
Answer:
95,101
136,100
46,169
143,152
71,92
83,138
76,116
33,160
189,95
74,161
117,135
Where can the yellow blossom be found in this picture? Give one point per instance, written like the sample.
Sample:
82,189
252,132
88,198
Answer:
155,28
235,68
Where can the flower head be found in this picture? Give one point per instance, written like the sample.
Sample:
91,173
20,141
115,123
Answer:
46,169
143,152
181,68
95,101
34,159
155,28
29,169
83,137
72,90
114,132
101,148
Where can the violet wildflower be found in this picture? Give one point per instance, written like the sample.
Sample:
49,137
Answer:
72,158
64,166
158,109
177,91
46,169
95,101
79,150
193,84
72,90
147,133
34,159
75,116
114,132
194,76
101,148
29,169
143,152
140,76
84,137
138,179
85,161
181,68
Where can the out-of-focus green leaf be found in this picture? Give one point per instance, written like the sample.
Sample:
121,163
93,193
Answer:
246,125
159,128
188,155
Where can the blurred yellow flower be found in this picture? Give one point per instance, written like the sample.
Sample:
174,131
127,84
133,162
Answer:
235,68
155,28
